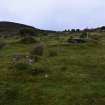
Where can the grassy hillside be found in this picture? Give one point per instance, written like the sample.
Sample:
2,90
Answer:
64,74
11,28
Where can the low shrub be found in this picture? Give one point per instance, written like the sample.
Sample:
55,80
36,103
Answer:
70,38
27,40
63,68
52,53
39,69
2,44
38,50
22,66
84,35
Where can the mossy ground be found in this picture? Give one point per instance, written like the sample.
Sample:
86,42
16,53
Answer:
76,74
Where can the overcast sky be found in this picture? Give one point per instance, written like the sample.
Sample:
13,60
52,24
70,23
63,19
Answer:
54,14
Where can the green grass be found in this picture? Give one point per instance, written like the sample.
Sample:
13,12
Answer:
76,75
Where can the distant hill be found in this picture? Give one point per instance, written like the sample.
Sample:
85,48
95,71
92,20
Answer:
11,28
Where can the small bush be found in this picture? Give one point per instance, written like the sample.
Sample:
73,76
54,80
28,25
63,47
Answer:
16,37
84,35
27,32
63,68
6,36
38,50
70,38
27,35
38,69
28,40
2,45
52,53
22,66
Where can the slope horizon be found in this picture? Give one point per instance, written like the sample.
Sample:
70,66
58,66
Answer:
30,25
